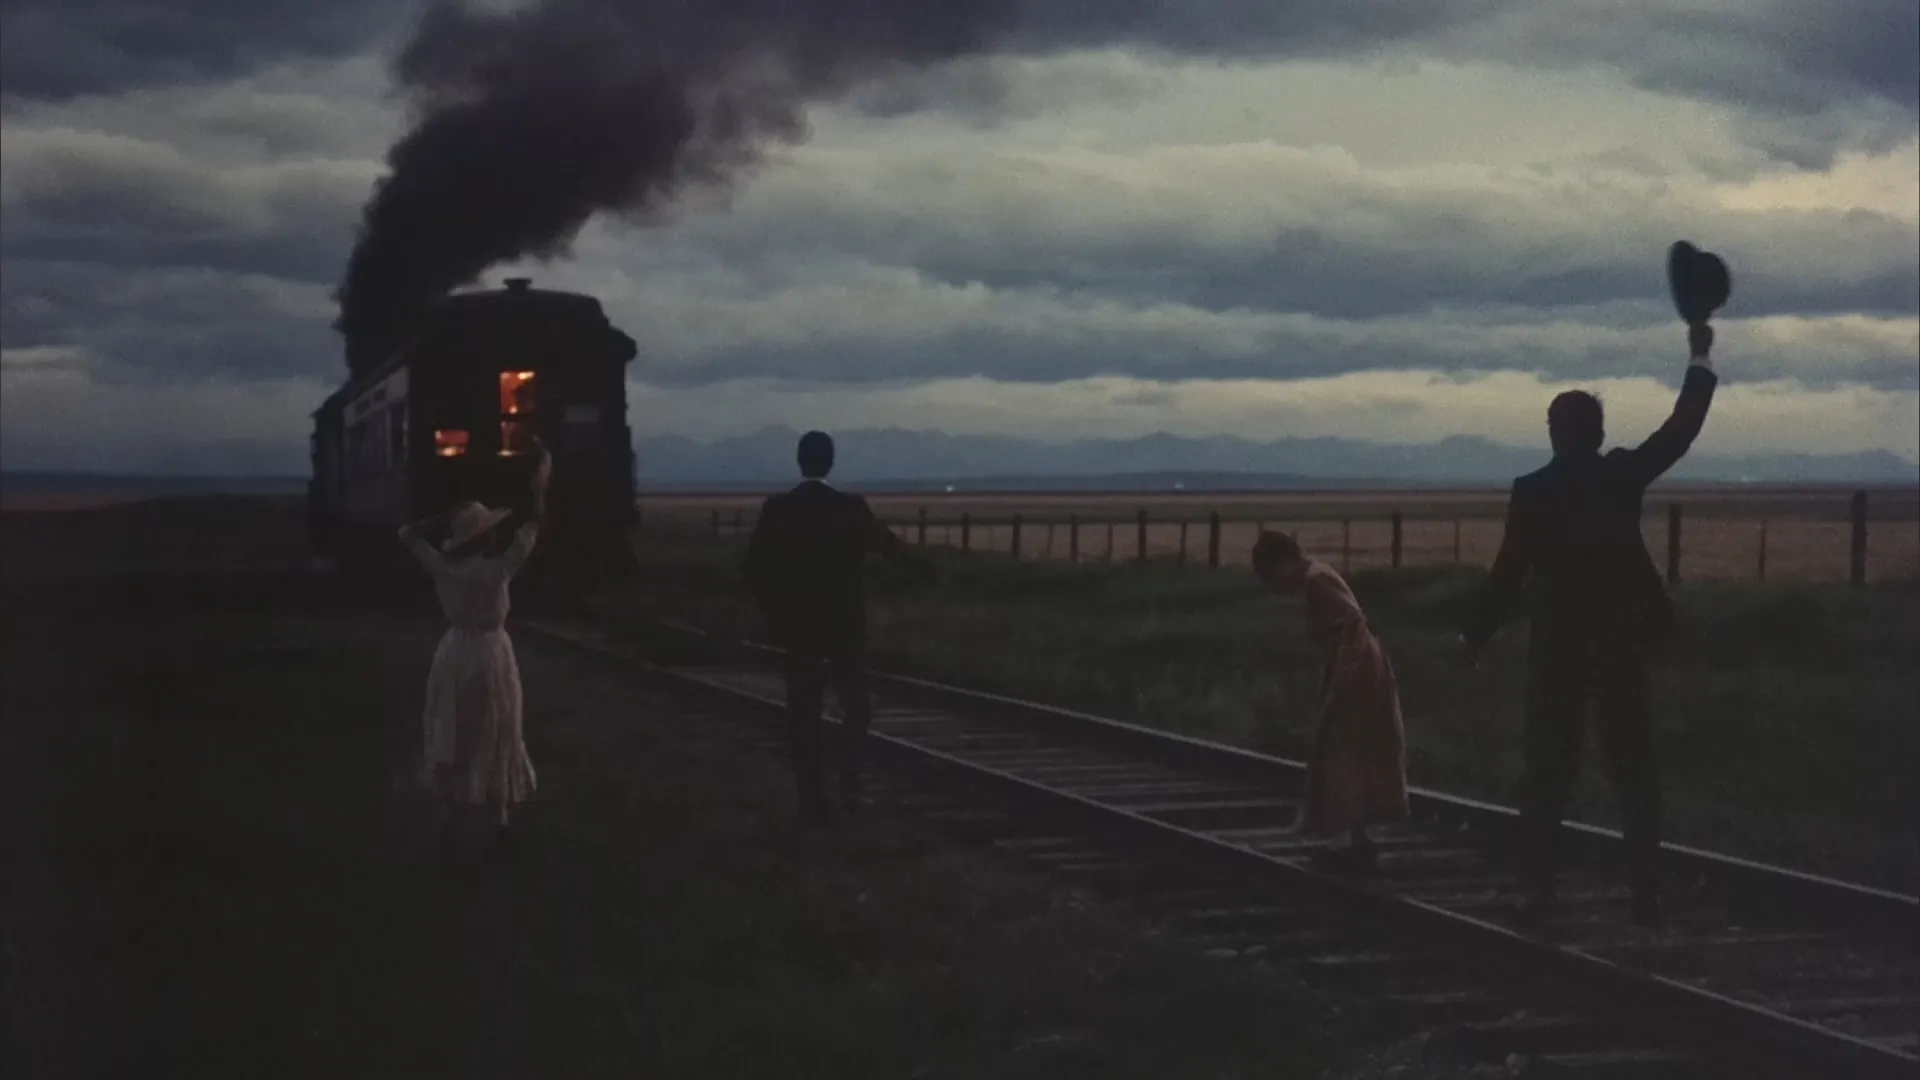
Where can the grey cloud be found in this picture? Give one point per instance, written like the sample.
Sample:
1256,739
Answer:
1338,247
134,205
992,89
168,325
60,49
1242,28
1778,57
1177,349
1069,286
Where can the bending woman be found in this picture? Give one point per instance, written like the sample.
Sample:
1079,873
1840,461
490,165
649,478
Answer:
1357,774
476,760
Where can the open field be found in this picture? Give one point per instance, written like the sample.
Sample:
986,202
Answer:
1805,534
1787,715
210,871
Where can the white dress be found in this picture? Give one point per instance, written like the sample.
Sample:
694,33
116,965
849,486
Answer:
474,749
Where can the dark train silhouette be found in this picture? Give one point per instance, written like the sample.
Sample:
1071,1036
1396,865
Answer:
449,414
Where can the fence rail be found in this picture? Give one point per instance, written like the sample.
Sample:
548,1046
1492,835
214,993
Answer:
1841,543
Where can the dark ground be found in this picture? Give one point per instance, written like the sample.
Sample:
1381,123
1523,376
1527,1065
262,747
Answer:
212,869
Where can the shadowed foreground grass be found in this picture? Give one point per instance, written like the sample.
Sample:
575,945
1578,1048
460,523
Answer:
1788,715
208,873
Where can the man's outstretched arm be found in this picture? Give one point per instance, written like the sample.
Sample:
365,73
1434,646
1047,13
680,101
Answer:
1665,447
888,543
1501,595
757,566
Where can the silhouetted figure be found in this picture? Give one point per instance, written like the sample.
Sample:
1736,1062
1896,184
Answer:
1357,772
1598,603
805,565
476,758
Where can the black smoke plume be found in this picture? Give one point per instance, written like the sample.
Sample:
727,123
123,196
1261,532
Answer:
527,122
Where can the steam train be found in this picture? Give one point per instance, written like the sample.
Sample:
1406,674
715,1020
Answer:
450,415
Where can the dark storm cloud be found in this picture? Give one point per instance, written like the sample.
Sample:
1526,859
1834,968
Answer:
1778,56
58,49
1782,56
1318,272
177,325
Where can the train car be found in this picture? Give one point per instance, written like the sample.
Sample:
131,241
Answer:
450,415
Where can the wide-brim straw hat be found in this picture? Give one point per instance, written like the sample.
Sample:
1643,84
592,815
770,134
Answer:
471,521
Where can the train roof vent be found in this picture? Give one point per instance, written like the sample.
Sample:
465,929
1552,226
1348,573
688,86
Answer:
518,284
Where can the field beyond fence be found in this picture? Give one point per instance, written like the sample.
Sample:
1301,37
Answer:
1705,534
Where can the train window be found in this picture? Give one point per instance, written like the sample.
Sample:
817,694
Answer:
516,393
449,443
516,437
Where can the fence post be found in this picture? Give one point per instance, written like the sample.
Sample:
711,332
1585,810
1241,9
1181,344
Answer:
738,521
1858,573
1346,545
1763,549
1109,543
966,532
716,524
1213,540
923,526
1456,541
1183,542
1396,539
1673,543
1014,543
1073,538
1140,555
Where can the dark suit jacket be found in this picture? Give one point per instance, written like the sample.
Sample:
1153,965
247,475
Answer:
1573,528
805,564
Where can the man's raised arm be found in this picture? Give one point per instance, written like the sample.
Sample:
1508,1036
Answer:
1665,447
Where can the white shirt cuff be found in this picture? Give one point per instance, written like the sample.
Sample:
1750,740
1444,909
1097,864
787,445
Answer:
1702,361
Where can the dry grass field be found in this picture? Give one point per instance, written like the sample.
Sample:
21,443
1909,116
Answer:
1786,711
1726,534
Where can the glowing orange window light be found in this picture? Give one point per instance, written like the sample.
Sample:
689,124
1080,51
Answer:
449,443
516,392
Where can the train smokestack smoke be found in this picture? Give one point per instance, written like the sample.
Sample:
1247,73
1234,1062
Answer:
527,122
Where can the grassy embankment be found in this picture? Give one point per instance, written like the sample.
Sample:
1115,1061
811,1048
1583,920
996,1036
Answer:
1788,717
208,870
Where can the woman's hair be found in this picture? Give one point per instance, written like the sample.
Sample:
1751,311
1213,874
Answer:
1275,548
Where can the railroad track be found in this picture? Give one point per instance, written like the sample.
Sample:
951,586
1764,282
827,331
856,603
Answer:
1761,970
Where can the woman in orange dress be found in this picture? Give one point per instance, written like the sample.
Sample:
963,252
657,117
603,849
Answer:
1357,774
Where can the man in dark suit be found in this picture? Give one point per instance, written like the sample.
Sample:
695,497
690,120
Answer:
1598,603
805,565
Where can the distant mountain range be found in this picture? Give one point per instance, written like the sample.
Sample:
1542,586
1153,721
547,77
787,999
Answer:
894,457
897,459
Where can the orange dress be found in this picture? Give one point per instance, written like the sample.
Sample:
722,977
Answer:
1357,774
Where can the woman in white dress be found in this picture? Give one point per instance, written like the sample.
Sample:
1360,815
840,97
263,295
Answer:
476,761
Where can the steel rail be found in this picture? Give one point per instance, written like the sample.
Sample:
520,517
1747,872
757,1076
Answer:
1704,1020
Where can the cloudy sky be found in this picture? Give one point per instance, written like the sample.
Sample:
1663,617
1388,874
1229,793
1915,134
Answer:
1231,216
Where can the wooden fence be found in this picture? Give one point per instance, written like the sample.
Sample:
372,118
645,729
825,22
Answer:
1218,540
